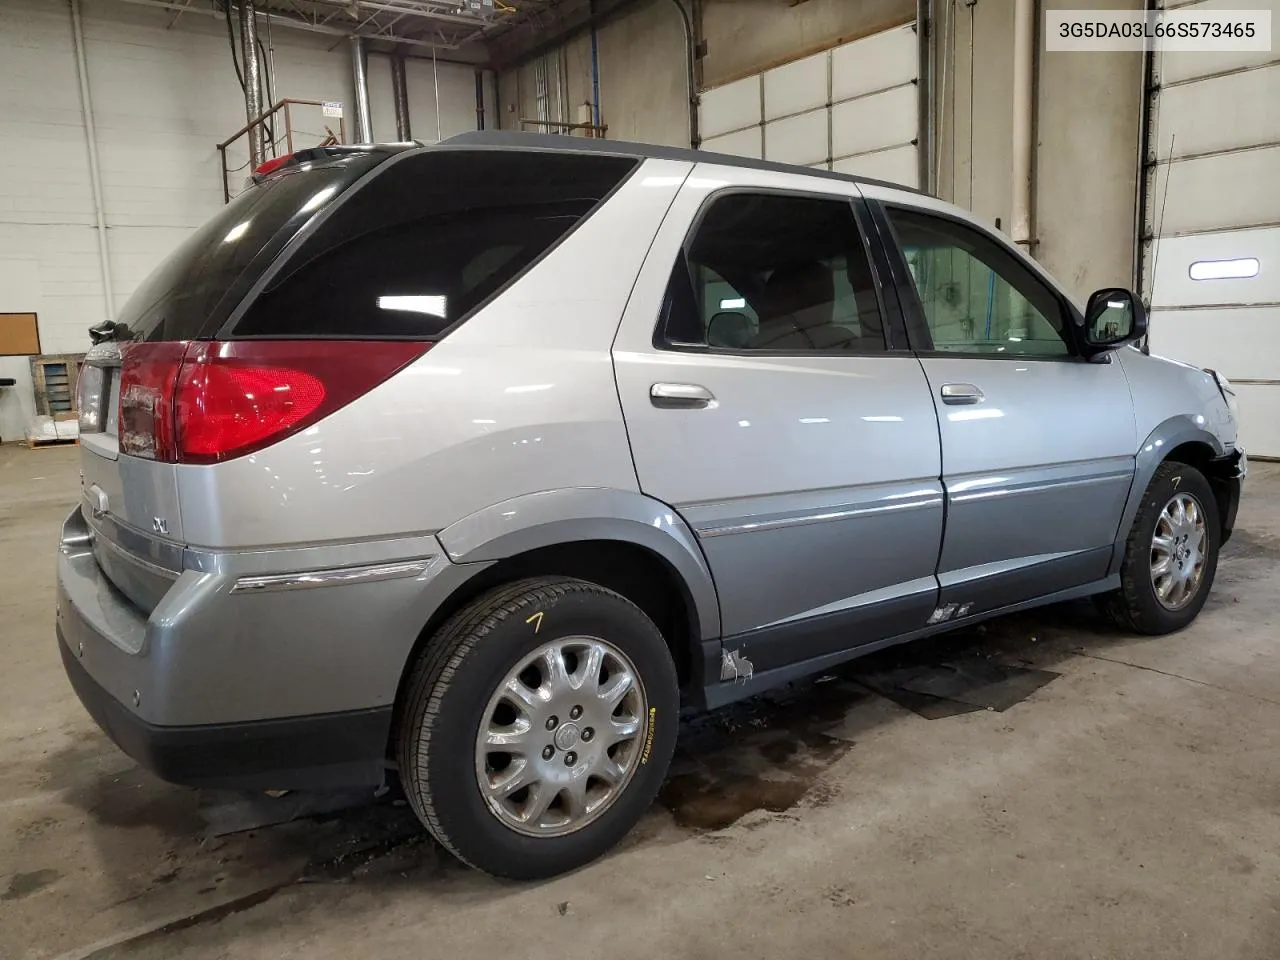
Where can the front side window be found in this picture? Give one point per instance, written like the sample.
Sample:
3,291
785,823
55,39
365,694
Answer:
977,299
770,272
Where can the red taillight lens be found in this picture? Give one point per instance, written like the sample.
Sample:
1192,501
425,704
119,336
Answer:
148,375
223,409
226,399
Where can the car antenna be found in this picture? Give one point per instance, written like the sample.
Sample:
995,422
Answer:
1155,241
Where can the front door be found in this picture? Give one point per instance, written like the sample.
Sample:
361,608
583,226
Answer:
766,404
1038,444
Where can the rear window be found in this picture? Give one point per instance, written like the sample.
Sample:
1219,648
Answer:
428,241
191,293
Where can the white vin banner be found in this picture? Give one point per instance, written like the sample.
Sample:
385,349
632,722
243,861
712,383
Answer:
1190,29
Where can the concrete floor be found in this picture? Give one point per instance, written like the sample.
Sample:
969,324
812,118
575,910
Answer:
1128,808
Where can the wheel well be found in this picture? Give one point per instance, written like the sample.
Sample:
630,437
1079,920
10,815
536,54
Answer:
1195,453
636,572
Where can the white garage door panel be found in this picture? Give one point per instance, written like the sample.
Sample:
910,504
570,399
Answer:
1219,207
744,143
1177,254
1235,189
1221,113
1214,339
796,87
1183,65
854,107
801,139
871,123
1259,418
731,107
896,166
875,63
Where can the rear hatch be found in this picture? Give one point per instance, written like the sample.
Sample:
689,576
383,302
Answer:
130,495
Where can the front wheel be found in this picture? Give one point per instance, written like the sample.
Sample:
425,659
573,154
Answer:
537,726
1171,555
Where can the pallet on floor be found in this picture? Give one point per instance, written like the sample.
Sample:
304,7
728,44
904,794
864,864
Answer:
35,444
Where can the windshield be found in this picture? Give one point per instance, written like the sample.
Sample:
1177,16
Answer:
190,294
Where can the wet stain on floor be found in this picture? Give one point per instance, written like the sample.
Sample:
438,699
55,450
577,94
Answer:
765,754
135,799
24,884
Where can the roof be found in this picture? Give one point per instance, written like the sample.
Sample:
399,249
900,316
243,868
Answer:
510,139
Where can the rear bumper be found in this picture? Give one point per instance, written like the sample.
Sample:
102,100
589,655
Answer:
264,669
335,750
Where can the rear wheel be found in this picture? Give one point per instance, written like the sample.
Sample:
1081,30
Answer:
1171,555
538,726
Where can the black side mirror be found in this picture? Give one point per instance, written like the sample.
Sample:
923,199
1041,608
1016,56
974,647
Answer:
1113,317
732,330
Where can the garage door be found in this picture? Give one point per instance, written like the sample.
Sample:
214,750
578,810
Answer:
1213,276
852,108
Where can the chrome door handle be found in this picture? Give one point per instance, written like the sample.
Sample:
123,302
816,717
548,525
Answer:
957,393
680,396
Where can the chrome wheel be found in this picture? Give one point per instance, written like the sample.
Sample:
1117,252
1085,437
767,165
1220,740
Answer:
1178,551
561,736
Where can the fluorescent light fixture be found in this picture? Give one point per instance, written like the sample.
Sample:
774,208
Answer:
435,306
734,303
1241,268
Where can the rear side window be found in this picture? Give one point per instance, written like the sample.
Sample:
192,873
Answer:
429,240
192,292
774,272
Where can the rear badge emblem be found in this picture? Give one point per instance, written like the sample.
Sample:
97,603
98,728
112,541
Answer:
159,524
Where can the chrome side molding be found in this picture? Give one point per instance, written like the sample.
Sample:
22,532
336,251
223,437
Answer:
310,579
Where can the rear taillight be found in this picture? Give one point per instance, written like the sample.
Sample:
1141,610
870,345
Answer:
148,376
206,402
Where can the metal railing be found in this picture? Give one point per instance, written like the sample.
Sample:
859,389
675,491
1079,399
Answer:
287,137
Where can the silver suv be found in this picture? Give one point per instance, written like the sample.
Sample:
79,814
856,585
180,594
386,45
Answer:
475,463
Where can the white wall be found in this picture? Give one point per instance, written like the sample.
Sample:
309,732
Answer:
162,99
643,95
457,98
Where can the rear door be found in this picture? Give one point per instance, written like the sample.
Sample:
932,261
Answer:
1038,444
767,402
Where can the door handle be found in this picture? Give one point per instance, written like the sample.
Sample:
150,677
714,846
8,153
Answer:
958,393
680,396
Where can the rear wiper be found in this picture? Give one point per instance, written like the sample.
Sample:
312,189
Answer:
108,330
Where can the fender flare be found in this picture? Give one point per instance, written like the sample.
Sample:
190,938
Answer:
1169,435
554,517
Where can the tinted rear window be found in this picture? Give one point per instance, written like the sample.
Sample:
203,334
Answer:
191,293
427,241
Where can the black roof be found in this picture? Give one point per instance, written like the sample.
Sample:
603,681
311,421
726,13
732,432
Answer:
511,139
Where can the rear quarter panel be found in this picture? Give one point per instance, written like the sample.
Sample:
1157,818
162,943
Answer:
521,398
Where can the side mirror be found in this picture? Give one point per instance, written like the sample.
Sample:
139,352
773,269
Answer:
731,330
1112,318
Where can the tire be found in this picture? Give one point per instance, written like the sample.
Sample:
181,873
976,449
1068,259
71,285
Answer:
453,694
1137,605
